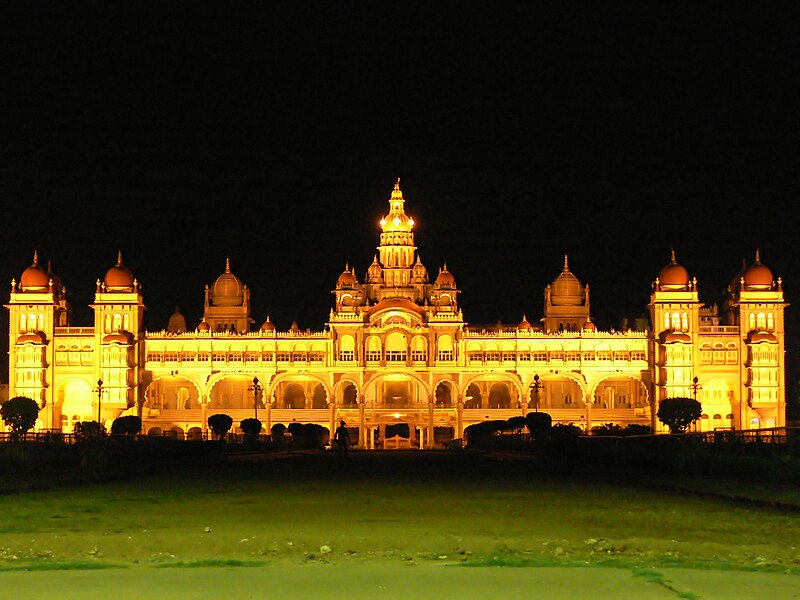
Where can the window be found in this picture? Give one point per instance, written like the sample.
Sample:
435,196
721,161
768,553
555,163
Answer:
266,356
557,355
188,357
752,321
23,323
373,355
419,355
316,356
770,322
622,355
284,356
153,356
761,321
299,357
638,355
573,356
475,356
172,357
396,356
540,356
446,355
217,356
252,357
676,320
347,355
588,357
604,355
666,320
507,357
203,356
236,357
524,357
685,321
493,356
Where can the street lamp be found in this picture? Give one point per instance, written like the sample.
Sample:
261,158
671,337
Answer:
695,386
256,389
536,386
99,399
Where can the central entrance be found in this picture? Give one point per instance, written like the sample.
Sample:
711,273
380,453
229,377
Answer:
396,412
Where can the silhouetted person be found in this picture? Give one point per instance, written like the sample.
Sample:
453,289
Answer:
342,439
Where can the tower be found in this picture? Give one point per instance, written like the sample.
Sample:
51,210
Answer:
566,302
227,303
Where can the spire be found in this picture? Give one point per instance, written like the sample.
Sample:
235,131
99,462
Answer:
758,256
35,258
227,264
119,258
673,260
566,263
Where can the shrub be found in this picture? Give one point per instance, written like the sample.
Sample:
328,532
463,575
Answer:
250,426
220,424
678,413
89,430
636,429
566,430
278,430
19,413
516,424
538,423
607,429
128,425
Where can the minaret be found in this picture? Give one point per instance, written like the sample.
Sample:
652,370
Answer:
397,243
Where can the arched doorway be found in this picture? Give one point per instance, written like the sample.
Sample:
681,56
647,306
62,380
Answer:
172,393
75,402
473,397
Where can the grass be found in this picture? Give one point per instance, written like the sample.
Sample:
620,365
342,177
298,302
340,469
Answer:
446,509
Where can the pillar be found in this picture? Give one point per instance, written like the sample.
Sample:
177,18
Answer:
460,418
362,423
430,423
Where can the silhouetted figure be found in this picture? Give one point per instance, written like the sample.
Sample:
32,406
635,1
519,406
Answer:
342,439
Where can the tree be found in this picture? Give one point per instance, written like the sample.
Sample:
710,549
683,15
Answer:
128,425
278,430
538,423
19,413
250,426
220,424
679,413
88,430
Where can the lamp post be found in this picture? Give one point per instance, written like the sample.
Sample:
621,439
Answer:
695,386
99,399
536,386
256,389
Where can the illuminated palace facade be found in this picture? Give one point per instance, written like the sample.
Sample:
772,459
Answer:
397,350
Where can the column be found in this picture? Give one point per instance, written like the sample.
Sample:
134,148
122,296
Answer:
332,417
268,417
203,408
588,401
430,423
460,418
362,423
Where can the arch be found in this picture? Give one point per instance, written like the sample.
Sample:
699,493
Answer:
293,396
231,391
620,391
349,395
271,390
379,377
473,397
319,398
443,394
511,378
499,396
75,401
168,392
396,342
154,431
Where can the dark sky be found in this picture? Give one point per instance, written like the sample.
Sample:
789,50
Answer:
272,132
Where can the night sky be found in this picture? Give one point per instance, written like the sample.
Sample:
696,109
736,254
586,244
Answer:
272,133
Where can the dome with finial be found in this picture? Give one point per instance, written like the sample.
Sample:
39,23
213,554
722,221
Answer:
177,322
566,290
524,325
119,278
396,220
419,274
445,278
673,277
203,326
34,278
589,326
295,328
228,289
347,279
375,271
758,276
268,326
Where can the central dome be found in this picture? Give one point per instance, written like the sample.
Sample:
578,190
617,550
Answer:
566,290
119,278
34,278
673,276
228,289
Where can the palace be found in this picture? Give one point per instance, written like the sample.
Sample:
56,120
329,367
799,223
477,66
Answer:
396,359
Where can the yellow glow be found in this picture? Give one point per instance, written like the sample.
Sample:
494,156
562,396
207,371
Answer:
383,222
396,221
396,415
411,222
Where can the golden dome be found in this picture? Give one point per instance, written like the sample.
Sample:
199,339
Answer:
396,220
673,276
566,290
419,274
758,276
203,326
228,289
34,278
268,325
347,279
445,278
589,326
119,277
177,322
524,325
32,337
375,271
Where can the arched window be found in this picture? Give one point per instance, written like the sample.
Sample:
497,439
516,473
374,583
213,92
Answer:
126,322
107,323
770,322
23,323
752,321
117,324
676,320
666,320
761,321
685,321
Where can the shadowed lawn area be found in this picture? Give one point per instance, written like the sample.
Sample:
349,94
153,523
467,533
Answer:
385,509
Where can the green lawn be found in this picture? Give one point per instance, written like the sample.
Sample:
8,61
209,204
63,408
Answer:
443,509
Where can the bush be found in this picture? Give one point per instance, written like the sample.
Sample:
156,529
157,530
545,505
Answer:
678,413
538,423
607,429
636,429
516,424
19,413
220,424
250,426
566,431
89,430
278,430
129,425
307,435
